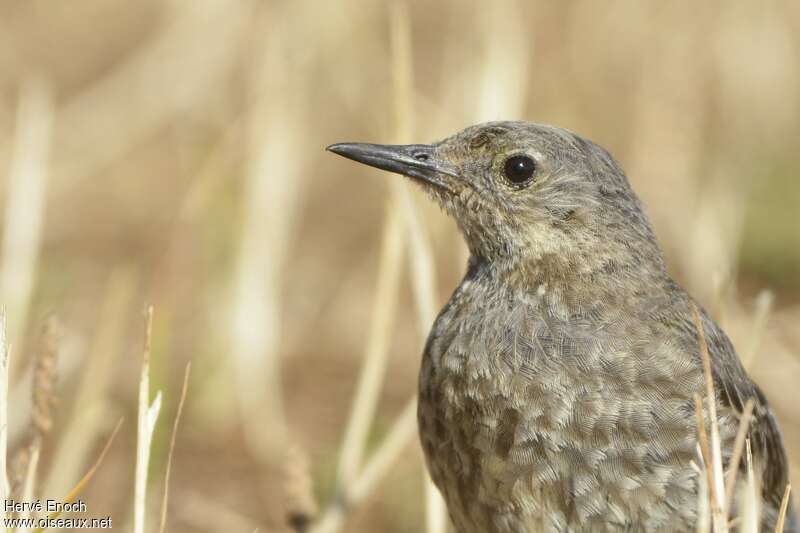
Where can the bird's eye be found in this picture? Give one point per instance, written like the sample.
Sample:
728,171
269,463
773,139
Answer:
518,169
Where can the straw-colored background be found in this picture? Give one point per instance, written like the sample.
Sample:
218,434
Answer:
171,153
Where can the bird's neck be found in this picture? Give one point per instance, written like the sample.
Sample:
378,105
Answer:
577,277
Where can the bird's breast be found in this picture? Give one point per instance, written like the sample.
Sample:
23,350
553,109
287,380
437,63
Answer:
538,422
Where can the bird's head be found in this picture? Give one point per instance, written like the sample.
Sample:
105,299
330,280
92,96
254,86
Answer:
527,195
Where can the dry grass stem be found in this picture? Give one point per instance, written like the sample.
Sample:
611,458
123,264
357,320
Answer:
44,378
705,451
148,414
503,76
90,413
764,302
385,456
703,508
402,71
784,508
73,494
171,453
5,489
21,391
377,351
422,266
25,201
750,499
274,176
29,486
301,506
376,467
717,480
423,276
738,450
43,400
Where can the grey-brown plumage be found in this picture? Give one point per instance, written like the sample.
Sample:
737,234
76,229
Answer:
556,389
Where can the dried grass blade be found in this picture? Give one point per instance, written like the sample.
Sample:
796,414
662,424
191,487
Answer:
148,414
705,452
738,450
25,200
173,437
4,360
422,265
717,480
377,350
750,499
784,508
89,413
29,487
73,494
376,467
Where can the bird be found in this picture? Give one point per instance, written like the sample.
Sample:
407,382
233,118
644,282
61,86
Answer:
557,385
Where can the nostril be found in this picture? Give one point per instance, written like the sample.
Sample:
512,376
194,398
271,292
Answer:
421,156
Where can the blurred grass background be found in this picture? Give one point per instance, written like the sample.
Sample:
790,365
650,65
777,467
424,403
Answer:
172,153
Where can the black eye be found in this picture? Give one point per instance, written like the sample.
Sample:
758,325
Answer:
519,169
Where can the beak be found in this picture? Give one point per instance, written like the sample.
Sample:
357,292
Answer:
417,161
